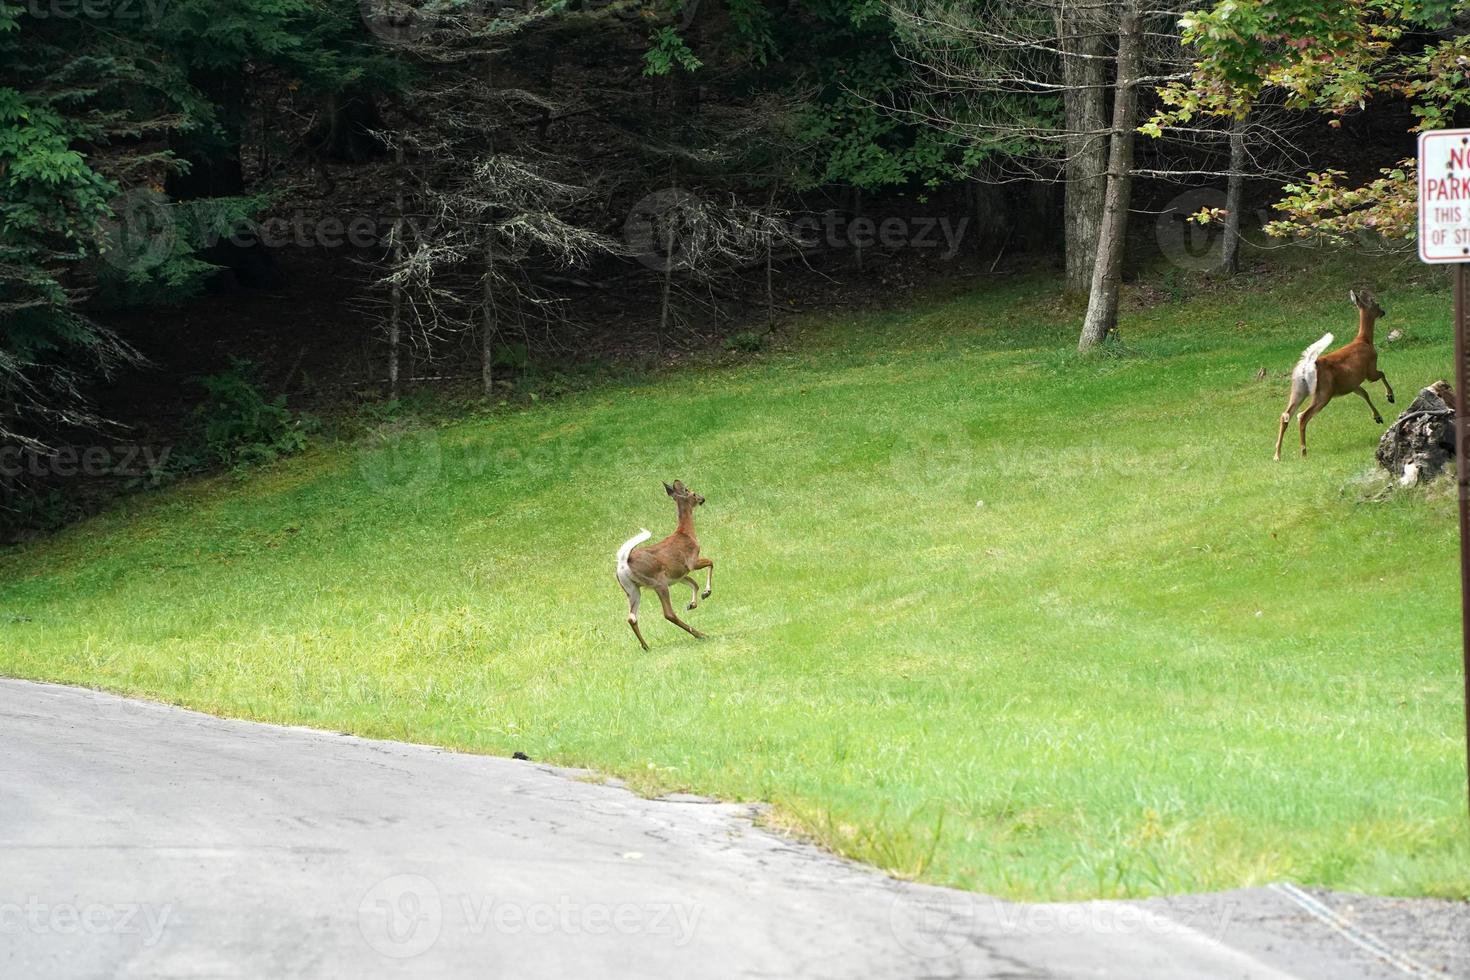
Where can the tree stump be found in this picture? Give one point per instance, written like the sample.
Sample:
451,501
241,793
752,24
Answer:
1421,442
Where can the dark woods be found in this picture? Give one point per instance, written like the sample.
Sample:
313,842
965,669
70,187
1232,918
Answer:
225,224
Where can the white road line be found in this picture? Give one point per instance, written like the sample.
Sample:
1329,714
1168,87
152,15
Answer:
1367,941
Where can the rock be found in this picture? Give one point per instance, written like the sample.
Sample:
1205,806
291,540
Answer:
1393,336
1421,442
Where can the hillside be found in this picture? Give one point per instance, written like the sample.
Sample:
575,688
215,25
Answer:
984,611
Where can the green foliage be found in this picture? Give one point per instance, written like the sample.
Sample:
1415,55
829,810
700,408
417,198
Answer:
838,59
164,239
239,426
667,50
746,342
755,26
46,511
91,106
53,205
1172,282
844,53
1330,58
1318,53
1326,206
515,356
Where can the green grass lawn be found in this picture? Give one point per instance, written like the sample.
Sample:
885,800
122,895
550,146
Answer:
984,611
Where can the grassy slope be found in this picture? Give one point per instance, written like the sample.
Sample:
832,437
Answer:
1152,661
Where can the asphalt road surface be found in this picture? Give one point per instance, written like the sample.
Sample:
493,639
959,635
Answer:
141,840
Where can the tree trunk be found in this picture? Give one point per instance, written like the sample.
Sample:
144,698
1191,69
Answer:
395,303
489,323
770,294
1107,271
663,313
770,291
1085,74
489,315
1234,193
994,219
345,133
980,214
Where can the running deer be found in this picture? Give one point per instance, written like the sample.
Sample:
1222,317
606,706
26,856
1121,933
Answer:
660,565
1322,377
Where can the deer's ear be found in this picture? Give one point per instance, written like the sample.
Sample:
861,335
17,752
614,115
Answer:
668,490
1353,295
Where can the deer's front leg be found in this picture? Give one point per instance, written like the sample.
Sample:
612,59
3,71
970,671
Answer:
1371,407
693,591
709,575
1386,386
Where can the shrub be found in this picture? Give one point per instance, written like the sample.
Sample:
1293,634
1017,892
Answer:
746,342
239,426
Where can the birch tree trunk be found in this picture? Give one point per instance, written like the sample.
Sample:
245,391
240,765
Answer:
1085,75
1107,272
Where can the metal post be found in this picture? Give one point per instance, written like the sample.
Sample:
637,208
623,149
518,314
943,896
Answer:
1462,471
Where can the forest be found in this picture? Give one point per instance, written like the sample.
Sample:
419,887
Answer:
226,227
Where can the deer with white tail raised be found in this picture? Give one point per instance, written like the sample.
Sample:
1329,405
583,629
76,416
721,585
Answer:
660,565
1322,377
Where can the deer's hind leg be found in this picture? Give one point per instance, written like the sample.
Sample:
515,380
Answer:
673,617
1319,403
635,597
1298,394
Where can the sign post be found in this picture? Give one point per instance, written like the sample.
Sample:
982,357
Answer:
1444,236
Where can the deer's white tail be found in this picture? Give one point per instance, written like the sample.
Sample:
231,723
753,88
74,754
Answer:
627,549
1304,375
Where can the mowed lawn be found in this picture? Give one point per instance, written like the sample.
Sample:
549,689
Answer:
984,612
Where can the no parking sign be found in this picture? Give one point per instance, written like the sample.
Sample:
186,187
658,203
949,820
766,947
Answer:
1444,195
1444,236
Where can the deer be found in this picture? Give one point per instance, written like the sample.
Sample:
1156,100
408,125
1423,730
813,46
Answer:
1322,377
660,565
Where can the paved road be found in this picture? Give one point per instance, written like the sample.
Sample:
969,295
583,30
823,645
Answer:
139,840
